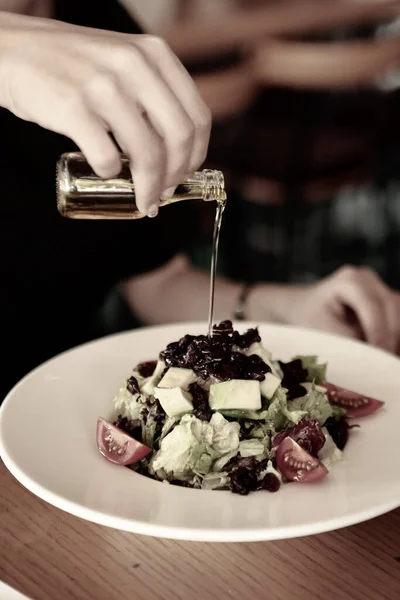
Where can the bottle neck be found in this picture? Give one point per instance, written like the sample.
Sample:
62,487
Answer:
202,185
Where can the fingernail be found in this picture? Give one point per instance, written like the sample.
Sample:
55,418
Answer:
153,211
168,193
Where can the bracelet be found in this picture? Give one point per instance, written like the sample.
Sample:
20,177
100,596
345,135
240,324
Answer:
240,310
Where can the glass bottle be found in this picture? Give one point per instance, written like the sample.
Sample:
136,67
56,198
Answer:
81,194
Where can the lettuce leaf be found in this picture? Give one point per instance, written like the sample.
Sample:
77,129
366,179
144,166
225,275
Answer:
338,412
251,415
169,424
149,429
220,463
315,405
193,445
225,436
126,404
261,431
316,371
252,447
215,481
279,413
200,460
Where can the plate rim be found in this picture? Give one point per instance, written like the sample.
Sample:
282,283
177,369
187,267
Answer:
189,534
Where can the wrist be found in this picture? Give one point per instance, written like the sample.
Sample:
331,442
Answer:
240,312
270,302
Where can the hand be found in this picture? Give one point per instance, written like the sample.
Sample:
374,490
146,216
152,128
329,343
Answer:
353,302
87,83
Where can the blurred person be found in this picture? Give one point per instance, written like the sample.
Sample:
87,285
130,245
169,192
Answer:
56,272
80,69
304,102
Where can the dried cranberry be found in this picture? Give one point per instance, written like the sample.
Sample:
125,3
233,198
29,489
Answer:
243,481
270,483
239,462
293,376
130,426
215,357
133,386
251,336
146,369
224,328
338,429
201,408
153,411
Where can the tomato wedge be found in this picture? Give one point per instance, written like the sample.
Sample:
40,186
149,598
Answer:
356,405
298,465
117,446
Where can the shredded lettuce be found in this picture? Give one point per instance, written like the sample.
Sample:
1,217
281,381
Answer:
220,463
316,371
149,429
315,405
338,412
126,404
275,417
193,445
263,431
225,434
279,414
251,415
200,460
251,447
215,481
175,452
168,426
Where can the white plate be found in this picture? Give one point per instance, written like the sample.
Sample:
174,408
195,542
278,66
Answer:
9,593
47,440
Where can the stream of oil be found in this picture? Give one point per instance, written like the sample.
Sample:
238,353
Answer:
214,258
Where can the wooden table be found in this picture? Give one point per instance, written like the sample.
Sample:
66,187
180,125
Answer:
50,555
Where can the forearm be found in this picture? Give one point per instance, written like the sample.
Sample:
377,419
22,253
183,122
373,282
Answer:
338,65
277,19
178,292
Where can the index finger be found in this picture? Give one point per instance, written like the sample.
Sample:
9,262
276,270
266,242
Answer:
179,81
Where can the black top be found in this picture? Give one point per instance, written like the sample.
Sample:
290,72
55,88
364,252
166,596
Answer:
55,272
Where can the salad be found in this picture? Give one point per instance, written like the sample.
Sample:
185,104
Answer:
222,413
